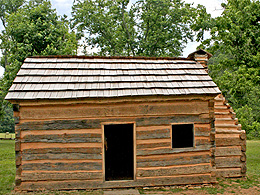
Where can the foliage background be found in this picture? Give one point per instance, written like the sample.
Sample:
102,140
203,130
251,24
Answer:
31,28
235,66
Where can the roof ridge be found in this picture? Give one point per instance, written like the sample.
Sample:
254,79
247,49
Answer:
112,57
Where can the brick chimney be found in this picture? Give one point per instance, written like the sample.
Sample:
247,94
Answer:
202,57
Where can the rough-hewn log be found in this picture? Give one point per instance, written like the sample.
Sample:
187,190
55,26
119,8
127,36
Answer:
243,169
236,121
40,145
150,128
170,119
17,145
174,170
228,151
153,134
170,160
18,170
17,133
230,121
199,141
53,176
202,129
18,181
63,150
218,103
212,152
228,131
243,147
211,103
172,150
205,116
212,136
226,162
213,172
153,145
229,172
61,124
224,115
88,184
18,158
96,123
226,127
63,166
229,140
114,110
63,138
57,156
213,162
243,157
221,108
61,132
243,136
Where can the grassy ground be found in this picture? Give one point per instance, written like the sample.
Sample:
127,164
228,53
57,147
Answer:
248,186
7,166
253,158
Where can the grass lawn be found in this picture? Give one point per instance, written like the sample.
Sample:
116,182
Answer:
7,174
253,158
7,166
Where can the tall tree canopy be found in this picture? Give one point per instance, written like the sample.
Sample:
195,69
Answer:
8,7
145,28
32,29
235,43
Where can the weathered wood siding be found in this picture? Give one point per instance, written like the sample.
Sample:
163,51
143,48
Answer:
60,146
230,141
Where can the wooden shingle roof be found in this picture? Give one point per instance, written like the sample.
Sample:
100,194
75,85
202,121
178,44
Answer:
69,77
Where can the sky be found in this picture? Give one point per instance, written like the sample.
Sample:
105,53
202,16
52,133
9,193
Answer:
213,7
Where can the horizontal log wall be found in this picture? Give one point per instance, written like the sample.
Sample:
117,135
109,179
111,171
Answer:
57,155
156,157
60,147
230,157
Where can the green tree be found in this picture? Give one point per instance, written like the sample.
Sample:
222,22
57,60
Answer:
33,29
235,67
8,7
7,122
145,28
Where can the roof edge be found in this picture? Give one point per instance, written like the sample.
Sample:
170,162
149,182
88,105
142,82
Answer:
120,99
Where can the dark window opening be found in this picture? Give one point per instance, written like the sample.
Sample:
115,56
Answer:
182,136
119,152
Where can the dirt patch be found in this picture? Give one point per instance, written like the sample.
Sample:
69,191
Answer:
215,190
225,187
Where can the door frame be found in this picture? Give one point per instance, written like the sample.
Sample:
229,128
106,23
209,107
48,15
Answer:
103,148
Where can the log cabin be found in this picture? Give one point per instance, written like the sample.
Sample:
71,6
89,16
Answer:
113,122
